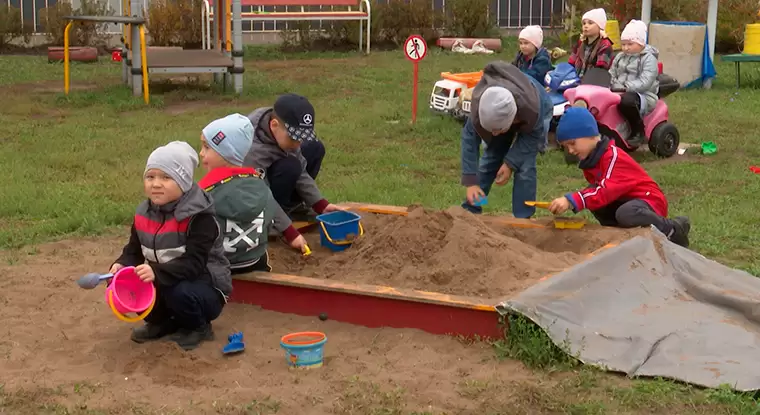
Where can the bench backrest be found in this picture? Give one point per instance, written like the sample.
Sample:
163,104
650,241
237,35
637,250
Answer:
300,2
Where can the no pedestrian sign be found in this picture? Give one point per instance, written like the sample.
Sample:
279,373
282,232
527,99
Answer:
415,48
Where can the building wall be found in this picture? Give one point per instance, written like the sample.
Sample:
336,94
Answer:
511,14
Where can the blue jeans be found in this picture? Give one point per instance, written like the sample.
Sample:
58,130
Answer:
525,178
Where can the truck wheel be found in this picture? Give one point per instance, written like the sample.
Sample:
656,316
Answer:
664,140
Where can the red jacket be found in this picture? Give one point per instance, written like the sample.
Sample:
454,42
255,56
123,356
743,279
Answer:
614,175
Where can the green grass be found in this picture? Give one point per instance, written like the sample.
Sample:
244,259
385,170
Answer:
73,164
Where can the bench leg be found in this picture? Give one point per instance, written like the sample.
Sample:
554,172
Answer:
361,34
368,35
738,76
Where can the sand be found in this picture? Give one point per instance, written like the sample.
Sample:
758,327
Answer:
451,252
62,351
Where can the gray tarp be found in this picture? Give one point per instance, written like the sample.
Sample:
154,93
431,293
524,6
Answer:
651,308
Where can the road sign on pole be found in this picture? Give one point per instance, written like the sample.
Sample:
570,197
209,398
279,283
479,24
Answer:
415,50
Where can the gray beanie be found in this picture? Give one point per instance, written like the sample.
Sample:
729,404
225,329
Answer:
497,109
177,159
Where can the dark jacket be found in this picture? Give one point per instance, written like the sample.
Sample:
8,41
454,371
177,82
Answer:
244,210
534,110
536,66
263,152
180,241
500,73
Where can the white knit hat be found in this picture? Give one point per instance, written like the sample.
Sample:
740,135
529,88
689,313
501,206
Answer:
635,31
534,35
598,16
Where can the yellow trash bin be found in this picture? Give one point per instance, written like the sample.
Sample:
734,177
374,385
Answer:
752,39
613,32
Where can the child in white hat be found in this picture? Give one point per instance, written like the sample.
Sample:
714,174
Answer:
594,48
532,58
636,70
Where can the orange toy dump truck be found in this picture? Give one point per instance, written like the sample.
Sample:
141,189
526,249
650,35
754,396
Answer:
451,95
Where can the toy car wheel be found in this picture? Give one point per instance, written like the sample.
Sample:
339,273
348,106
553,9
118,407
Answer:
664,140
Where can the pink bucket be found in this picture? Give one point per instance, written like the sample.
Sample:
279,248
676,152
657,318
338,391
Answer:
130,295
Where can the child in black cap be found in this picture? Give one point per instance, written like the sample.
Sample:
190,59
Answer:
287,149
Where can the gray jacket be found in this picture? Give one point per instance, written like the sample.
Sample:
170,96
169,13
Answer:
504,74
638,73
264,151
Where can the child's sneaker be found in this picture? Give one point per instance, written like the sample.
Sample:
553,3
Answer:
191,339
681,228
150,332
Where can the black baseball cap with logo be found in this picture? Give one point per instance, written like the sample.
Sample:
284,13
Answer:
298,115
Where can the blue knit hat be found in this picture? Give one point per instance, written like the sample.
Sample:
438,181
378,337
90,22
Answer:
576,123
231,137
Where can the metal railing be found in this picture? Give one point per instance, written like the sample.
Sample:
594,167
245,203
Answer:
510,14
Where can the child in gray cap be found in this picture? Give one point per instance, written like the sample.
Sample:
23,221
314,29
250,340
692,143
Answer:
176,244
510,113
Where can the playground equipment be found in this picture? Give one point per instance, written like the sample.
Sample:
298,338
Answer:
382,306
225,61
306,13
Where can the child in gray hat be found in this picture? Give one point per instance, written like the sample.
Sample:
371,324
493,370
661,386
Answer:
510,113
175,244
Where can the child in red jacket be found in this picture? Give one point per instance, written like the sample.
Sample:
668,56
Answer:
621,193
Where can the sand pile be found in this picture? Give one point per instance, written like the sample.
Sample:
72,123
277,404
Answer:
450,251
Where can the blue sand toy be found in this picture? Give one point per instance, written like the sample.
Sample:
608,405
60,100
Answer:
481,201
235,344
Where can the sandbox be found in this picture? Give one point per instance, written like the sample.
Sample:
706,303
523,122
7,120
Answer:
440,271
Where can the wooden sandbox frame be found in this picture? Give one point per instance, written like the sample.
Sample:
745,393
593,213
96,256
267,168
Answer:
381,306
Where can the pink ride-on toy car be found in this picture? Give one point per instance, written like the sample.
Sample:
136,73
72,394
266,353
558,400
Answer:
595,94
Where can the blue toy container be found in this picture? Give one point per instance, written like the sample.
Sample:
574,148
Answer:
304,350
339,229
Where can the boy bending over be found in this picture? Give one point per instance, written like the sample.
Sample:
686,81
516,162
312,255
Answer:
620,192
175,243
284,144
244,204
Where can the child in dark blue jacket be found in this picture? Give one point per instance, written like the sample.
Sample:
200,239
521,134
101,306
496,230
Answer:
533,59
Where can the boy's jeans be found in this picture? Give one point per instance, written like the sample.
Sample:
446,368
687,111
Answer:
525,179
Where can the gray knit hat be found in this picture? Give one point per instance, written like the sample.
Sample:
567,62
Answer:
497,109
177,159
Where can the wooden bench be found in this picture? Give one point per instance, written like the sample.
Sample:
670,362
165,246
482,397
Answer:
362,12
738,58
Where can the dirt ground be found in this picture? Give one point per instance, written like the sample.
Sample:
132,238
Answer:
62,348
452,252
64,352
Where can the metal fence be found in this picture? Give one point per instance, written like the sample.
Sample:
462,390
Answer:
510,14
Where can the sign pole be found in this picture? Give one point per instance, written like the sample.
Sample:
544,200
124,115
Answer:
415,50
414,88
